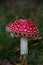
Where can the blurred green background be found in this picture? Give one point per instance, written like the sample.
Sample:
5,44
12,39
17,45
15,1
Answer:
11,10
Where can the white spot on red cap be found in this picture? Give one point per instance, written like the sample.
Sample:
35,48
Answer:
30,28
18,25
25,29
24,26
16,28
28,31
34,28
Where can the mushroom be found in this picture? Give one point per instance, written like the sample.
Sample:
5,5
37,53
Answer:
26,29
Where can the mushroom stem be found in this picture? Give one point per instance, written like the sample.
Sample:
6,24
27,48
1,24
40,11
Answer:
23,46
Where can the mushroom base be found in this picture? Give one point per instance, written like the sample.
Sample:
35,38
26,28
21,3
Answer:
24,59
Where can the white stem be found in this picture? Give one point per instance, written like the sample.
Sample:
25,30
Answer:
23,45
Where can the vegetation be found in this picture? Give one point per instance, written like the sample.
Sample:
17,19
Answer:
11,10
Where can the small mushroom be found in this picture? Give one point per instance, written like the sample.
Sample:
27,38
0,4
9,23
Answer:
26,29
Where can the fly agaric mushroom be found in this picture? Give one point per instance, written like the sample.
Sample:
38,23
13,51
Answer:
25,29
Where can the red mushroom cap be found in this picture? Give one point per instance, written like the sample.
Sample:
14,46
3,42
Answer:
23,27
